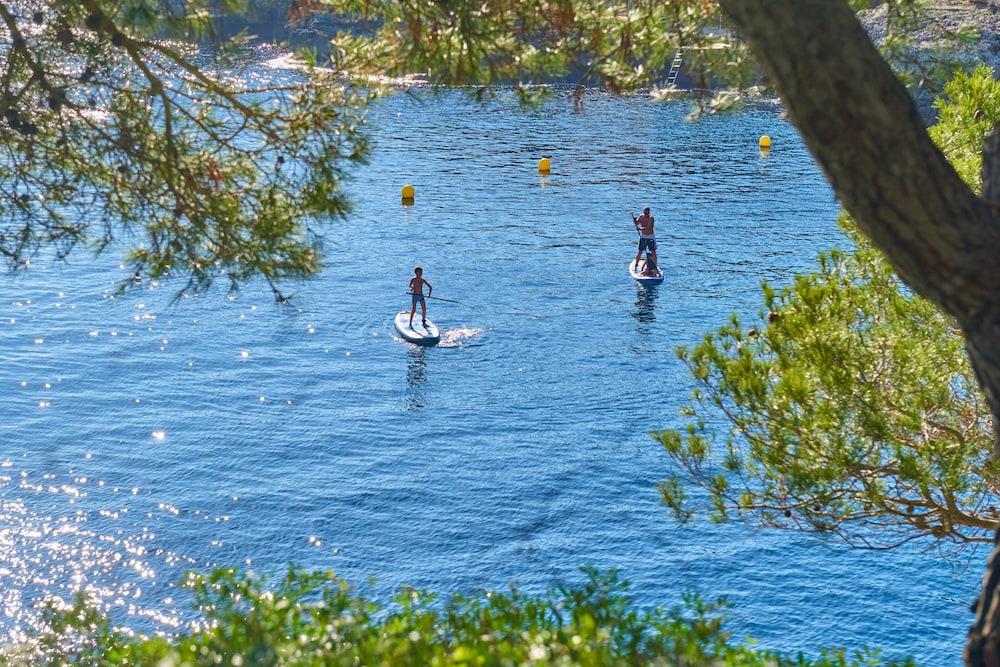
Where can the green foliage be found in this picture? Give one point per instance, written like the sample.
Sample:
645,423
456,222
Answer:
619,44
113,134
849,406
315,619
968,110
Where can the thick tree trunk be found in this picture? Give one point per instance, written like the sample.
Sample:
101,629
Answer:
983,646
991,167
863,129
991,194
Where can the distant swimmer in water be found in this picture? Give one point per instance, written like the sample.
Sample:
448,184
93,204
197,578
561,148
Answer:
647,241
417,283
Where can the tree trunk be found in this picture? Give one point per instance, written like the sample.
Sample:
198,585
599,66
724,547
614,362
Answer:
860,124
983,646
991,167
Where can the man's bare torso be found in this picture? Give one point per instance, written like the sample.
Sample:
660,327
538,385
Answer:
645,223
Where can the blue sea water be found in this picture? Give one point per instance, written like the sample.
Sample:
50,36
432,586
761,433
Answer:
141,438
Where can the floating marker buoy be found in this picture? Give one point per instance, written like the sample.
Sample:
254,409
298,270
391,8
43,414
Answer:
544,165
764,142
408,193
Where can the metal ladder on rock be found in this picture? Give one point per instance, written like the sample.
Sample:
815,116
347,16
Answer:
675,68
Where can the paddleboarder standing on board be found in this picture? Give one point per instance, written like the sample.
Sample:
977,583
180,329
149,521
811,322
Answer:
644,225
417,283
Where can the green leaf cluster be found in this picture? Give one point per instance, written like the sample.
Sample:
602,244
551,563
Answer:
316,619
967,112
114,135
848,405
620,45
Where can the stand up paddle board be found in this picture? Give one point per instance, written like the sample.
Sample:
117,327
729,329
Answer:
636,273
418,333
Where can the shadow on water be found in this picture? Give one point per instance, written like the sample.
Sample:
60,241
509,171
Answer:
645,307
416,376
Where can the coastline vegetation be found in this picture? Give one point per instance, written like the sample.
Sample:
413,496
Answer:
313,618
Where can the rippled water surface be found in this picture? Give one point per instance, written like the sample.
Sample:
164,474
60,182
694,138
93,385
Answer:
141,439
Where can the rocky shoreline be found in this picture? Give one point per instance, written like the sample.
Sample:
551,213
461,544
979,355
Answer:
942,18
952,16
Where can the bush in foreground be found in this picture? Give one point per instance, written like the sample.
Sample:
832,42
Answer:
315,619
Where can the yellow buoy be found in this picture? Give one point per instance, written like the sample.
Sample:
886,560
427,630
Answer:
765,141
408,191
544,165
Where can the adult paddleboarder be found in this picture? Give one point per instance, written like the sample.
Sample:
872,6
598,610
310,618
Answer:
647,239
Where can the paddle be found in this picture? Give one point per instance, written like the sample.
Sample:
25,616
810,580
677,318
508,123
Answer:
427,296
635,222
448,300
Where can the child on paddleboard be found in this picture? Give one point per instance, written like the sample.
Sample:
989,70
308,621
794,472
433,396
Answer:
650,270
417,283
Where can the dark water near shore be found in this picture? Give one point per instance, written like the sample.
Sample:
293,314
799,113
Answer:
141,439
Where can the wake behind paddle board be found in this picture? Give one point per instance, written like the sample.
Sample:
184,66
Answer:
636,273
418,333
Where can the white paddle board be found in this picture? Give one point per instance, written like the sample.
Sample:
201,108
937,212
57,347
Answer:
641,279
418,333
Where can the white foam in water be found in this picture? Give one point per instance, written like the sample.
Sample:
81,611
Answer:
456,337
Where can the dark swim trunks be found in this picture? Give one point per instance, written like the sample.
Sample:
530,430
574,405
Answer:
417,297
647,244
